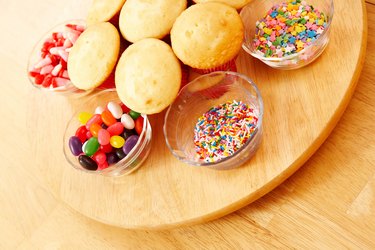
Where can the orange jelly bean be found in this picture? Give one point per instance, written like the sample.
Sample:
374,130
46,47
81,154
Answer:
108,118
94,129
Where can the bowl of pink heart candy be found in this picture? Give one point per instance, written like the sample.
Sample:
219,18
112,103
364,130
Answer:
47,65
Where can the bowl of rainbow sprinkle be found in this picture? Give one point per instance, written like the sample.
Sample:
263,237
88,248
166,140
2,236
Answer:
287,34
215,121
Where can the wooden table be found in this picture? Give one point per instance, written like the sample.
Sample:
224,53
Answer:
329,202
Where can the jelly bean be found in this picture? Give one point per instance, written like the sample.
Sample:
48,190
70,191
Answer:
102,166
104,126
83,117
127,121
115,109
99,157
120,153
75,145
116,129
139,125
94,129
94,119
127,133
99,110
106,148
134,114
124,108
81,133
117,141
103,137
112,158
108,118
87,163
91,147
88,135
130,143
84,146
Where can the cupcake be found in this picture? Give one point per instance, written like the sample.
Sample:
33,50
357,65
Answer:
148,76
94,55
208,36
102,11
238,4
149,19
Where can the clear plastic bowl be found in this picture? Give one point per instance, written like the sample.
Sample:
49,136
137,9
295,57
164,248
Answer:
128,164
196,98
255,11
35,56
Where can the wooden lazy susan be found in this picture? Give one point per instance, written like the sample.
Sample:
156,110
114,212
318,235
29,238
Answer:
301,109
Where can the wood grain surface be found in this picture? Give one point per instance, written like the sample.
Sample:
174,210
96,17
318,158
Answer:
328,203
301,108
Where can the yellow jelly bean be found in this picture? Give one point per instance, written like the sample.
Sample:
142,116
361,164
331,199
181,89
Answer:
117,141
83,117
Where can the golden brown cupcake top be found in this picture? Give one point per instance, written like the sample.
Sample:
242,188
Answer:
149,19
207,35
103,10
94,55
148,76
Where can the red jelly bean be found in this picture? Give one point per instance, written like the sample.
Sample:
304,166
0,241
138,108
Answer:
116,129
139,125
94,129
94,119
106,148
99,157
108,118
103,166
125,109
81,133
103,137
88,135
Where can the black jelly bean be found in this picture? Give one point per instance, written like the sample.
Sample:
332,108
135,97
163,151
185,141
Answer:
128,132
120,153
112,158
87,163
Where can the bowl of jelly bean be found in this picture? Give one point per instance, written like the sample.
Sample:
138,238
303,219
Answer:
215,121
106,137
287,34
47,64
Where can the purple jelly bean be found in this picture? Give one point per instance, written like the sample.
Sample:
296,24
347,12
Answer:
130,143
75,145
112,158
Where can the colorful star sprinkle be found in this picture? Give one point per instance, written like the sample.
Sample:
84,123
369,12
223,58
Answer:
224,129
288,28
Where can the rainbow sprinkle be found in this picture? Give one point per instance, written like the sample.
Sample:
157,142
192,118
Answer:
224,129
288,28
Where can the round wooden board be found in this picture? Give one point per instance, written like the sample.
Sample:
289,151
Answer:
301,108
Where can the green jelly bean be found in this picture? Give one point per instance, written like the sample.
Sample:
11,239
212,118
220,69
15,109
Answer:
92,145
134,114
